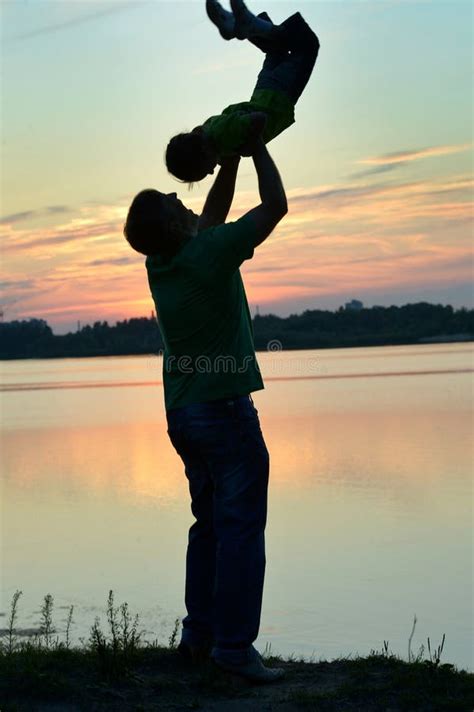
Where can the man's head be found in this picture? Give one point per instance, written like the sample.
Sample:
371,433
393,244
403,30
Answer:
190,157
159,223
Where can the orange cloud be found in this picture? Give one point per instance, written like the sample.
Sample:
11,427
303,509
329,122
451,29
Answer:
415,154
335,239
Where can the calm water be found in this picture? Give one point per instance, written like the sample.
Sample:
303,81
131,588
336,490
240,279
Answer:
370,509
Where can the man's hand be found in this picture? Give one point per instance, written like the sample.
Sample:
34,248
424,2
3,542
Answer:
258,121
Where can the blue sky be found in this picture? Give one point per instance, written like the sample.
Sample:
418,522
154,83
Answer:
378,165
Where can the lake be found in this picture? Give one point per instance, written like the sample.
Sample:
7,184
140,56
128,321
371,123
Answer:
370,500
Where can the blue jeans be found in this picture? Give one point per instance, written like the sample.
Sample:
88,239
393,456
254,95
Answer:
288,68
227,465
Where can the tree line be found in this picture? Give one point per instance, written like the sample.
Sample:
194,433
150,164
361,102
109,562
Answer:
313,329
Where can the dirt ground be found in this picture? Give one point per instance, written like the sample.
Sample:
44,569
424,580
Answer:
163,682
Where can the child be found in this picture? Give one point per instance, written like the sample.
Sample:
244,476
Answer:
290,54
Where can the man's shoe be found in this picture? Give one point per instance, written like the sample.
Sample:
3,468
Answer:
223,19
253,670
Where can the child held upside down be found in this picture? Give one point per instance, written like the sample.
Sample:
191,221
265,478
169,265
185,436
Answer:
290,54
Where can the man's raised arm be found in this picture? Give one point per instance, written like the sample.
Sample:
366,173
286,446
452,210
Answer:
219,199
274,205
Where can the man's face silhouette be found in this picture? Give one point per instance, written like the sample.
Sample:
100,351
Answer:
176,217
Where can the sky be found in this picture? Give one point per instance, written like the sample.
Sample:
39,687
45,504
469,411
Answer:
378,166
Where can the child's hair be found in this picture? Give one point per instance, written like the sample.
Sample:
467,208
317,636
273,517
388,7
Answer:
185,157
143,228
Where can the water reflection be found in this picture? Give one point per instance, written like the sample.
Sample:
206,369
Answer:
369,500
381,450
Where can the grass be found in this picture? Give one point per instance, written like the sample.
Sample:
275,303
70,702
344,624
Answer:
117,670
381,683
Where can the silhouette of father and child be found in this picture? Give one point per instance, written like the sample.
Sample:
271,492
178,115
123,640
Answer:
192,264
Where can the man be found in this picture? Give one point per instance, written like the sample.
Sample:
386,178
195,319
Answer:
209,371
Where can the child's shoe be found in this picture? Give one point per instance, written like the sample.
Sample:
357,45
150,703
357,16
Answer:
223,19
246,23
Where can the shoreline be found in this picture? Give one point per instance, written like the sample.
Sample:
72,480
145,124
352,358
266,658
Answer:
423,341
157,679
117,671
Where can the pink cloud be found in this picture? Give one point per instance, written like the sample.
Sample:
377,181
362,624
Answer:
335,238
415,154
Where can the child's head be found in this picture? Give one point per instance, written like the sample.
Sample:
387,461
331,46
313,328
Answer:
191,156
158,223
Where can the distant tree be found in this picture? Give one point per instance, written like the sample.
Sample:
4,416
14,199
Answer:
314,328
28,338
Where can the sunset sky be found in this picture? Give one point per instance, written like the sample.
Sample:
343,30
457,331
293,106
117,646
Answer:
377,167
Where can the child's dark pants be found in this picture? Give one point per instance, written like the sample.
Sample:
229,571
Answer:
289,68
227,466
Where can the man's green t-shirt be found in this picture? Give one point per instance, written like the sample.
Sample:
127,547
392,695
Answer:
204,318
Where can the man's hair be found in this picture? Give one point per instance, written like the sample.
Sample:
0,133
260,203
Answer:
185,157
144,228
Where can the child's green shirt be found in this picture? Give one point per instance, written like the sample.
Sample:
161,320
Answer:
229,131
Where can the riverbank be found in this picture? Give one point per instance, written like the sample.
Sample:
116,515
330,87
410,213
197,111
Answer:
314,329
116,671
156,679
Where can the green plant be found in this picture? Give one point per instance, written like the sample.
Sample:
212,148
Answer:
116,652
174,635
384,653
129,630
11,630
68,626
411,657
97,639
47,628
435,657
